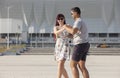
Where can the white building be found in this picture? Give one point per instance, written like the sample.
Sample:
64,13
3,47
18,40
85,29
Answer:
38,16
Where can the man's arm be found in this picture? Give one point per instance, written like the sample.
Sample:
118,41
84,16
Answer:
70,29
70,35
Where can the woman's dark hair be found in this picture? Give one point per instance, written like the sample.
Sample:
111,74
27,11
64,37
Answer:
76,9
58,17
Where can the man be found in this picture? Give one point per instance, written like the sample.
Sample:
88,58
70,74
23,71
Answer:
80,40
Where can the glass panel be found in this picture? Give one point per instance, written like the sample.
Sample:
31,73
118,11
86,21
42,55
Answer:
113,34
102,34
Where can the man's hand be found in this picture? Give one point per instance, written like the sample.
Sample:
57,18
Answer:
70,29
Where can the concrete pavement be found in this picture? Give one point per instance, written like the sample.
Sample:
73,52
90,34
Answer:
44,66
92,51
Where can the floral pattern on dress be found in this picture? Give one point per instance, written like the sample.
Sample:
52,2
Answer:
62,47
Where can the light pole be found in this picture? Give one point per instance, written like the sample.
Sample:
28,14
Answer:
8,43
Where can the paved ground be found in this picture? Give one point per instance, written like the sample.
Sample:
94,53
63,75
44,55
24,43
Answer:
44,66
92,51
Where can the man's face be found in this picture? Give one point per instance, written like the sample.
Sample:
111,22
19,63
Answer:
73,14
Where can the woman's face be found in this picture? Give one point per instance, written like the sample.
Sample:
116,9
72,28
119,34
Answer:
61,20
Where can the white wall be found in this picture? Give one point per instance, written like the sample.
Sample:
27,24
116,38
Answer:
11,26
101,16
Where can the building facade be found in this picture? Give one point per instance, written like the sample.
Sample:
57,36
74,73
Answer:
35,19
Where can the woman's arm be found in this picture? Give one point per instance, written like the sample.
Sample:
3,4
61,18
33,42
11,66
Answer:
57,32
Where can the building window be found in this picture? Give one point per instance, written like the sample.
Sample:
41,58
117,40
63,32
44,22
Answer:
113,35
102,34
93,34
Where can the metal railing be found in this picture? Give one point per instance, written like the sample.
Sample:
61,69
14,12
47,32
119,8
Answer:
45,41
104,40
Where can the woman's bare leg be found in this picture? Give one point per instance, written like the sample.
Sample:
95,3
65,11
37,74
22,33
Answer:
61,69
65,74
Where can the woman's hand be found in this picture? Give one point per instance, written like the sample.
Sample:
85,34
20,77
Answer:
57,30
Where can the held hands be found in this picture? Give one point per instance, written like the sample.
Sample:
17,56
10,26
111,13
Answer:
62,28
65,25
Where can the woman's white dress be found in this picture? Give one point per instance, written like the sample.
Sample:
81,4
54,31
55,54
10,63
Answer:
62,46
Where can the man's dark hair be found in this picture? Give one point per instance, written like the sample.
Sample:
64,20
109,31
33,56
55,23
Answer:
76,9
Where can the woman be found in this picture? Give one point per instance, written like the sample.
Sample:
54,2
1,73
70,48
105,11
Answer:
62,45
